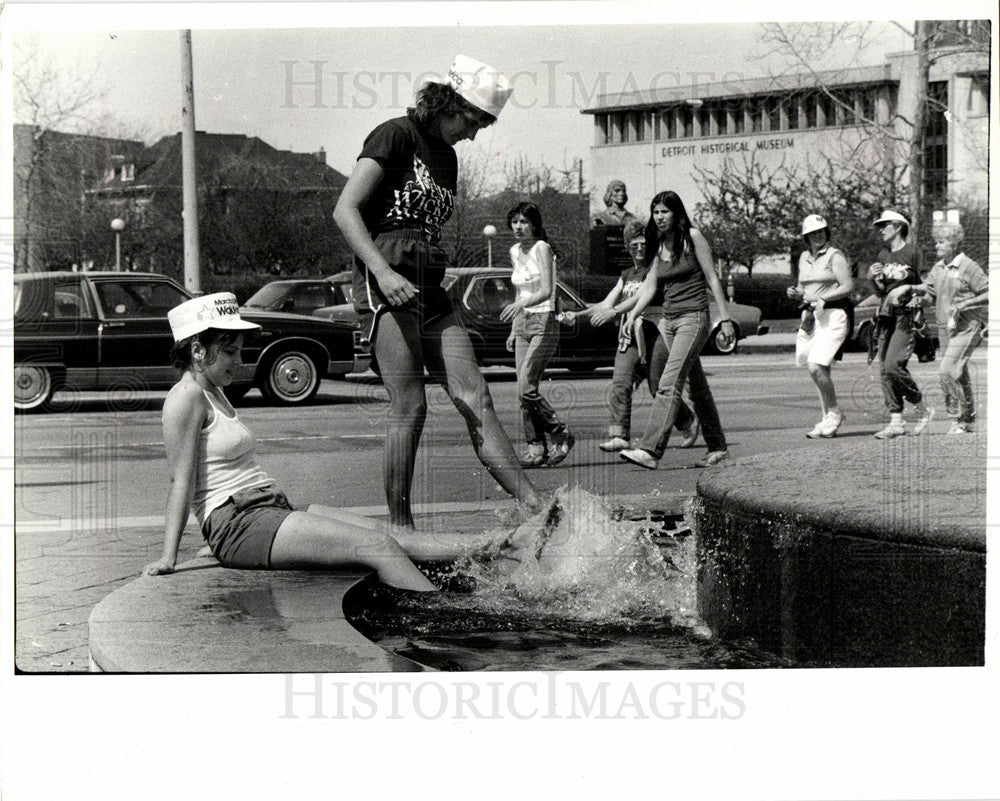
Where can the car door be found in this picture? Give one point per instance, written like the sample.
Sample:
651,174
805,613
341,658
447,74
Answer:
482,301
134,334
55,325
580,342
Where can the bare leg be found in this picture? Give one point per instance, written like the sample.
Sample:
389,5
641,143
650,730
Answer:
306,540
426,547
400,359
820,374
451,360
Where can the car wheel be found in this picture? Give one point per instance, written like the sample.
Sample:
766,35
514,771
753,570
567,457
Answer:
717,343
864,336
235,392
290,377
33,387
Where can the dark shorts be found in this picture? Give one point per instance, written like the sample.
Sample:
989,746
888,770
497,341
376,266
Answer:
419,262
241,531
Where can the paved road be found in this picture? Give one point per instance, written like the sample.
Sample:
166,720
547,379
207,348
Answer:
90,479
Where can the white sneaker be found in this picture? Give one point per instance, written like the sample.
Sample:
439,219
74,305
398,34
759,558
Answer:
712,458
891,431
690,434
960,428
896,428
833,421
640,457
614,444
817,431
923,422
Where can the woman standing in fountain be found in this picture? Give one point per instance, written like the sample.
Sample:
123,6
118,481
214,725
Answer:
683,266
896,266
246,520
391,212
534,335
628,370
615,213
824,286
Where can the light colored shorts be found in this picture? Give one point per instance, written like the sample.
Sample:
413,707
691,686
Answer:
821,346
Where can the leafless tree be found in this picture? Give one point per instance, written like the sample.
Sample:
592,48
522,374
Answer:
47,98
808,47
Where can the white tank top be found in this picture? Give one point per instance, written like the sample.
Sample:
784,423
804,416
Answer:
527,276
226,463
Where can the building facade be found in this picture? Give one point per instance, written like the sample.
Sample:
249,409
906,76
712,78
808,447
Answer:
669,139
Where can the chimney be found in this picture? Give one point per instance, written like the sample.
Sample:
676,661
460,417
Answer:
321,156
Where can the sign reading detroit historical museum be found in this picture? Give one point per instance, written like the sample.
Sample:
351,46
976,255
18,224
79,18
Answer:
737,146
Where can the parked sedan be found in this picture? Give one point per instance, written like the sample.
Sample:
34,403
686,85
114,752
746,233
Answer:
109,330
479,294
302,295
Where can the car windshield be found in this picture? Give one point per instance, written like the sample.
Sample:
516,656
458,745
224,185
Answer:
267,295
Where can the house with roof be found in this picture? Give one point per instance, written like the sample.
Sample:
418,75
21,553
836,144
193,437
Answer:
262,211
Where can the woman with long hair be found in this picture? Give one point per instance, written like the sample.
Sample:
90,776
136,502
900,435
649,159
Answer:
534,335
681,265
391,212
633,359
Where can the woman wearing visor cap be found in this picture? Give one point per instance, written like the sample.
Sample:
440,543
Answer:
824,286
896,266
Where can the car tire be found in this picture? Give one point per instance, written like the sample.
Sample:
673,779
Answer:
864,337
33,388
235,392
290,377
719,345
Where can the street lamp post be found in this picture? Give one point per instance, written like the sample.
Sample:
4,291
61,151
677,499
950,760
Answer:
118,225
489,232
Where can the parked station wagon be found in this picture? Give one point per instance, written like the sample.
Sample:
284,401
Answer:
109,331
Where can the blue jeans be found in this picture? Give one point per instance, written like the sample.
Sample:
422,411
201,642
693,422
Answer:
536,338
628,374
684,335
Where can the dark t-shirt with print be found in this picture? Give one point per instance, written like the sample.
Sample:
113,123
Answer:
418,187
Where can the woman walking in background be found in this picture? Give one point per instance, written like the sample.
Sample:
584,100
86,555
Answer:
896,266
629,370
682,264
960,287
824,286
534,335
391,211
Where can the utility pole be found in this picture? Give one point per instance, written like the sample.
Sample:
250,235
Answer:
192,259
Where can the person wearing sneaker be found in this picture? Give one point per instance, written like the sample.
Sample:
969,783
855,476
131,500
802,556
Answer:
825,285
960,288
682,265
896,266
534,335
632,352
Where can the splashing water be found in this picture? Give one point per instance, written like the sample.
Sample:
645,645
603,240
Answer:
579,560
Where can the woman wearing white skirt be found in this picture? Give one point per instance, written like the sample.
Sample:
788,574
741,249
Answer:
824,288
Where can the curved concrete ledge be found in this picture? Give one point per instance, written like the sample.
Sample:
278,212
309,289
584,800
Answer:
850,551
208,619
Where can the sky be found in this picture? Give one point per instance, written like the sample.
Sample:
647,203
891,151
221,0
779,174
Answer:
264,82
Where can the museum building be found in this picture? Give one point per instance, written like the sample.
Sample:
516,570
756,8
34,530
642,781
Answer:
660,139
